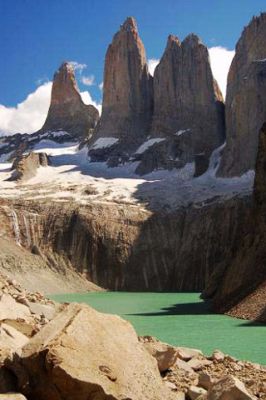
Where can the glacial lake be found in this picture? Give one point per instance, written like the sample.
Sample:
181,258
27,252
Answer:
181,319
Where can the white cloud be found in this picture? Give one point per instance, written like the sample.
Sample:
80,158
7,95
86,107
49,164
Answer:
221,59
78,66
101,86
29,116
88,80
152,64
87,99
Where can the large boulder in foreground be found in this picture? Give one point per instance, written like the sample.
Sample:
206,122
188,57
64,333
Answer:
245,106
83,354
67,112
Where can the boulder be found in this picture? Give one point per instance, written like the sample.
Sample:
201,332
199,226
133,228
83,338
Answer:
186,353
205,380
218,355
165,354
67,112
25,166
245,107
183,365
10,309
194,392
198,363
11,338
85,354
229,388
48,311
127,96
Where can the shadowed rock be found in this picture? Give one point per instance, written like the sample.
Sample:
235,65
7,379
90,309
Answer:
245,100
240,288
188,107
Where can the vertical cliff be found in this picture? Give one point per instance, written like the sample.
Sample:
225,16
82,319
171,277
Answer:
188,118
245,100
127,90
67,111
246,271
186,97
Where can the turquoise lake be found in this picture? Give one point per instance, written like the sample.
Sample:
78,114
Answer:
181,319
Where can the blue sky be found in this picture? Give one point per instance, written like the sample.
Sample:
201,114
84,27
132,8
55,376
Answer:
37,35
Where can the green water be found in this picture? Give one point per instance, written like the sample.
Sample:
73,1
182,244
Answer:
181,319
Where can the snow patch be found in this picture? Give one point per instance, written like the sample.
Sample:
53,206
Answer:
102,143
148,144
182,131
54,149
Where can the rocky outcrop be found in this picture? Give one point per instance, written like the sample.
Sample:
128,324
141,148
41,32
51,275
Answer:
246,271
245,100
127,95
84,354
219,376
187,99
67,111
25,167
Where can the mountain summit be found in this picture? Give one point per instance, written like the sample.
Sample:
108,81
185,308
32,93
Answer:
67,111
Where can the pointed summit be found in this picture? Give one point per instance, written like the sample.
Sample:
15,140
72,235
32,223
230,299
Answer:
130,24
172,40
192,40
67,111
127,93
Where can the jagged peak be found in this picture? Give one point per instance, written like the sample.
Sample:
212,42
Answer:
130,25
172,40
192,40
253,26
66,66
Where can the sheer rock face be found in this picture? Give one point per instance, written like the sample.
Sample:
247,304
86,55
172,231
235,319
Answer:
186,97
127,95
67,111
245,100
246,272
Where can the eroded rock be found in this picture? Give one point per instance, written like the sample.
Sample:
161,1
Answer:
229,388
25,166
86,353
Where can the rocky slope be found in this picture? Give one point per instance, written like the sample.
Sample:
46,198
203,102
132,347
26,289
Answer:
188,104
127,96
245,100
